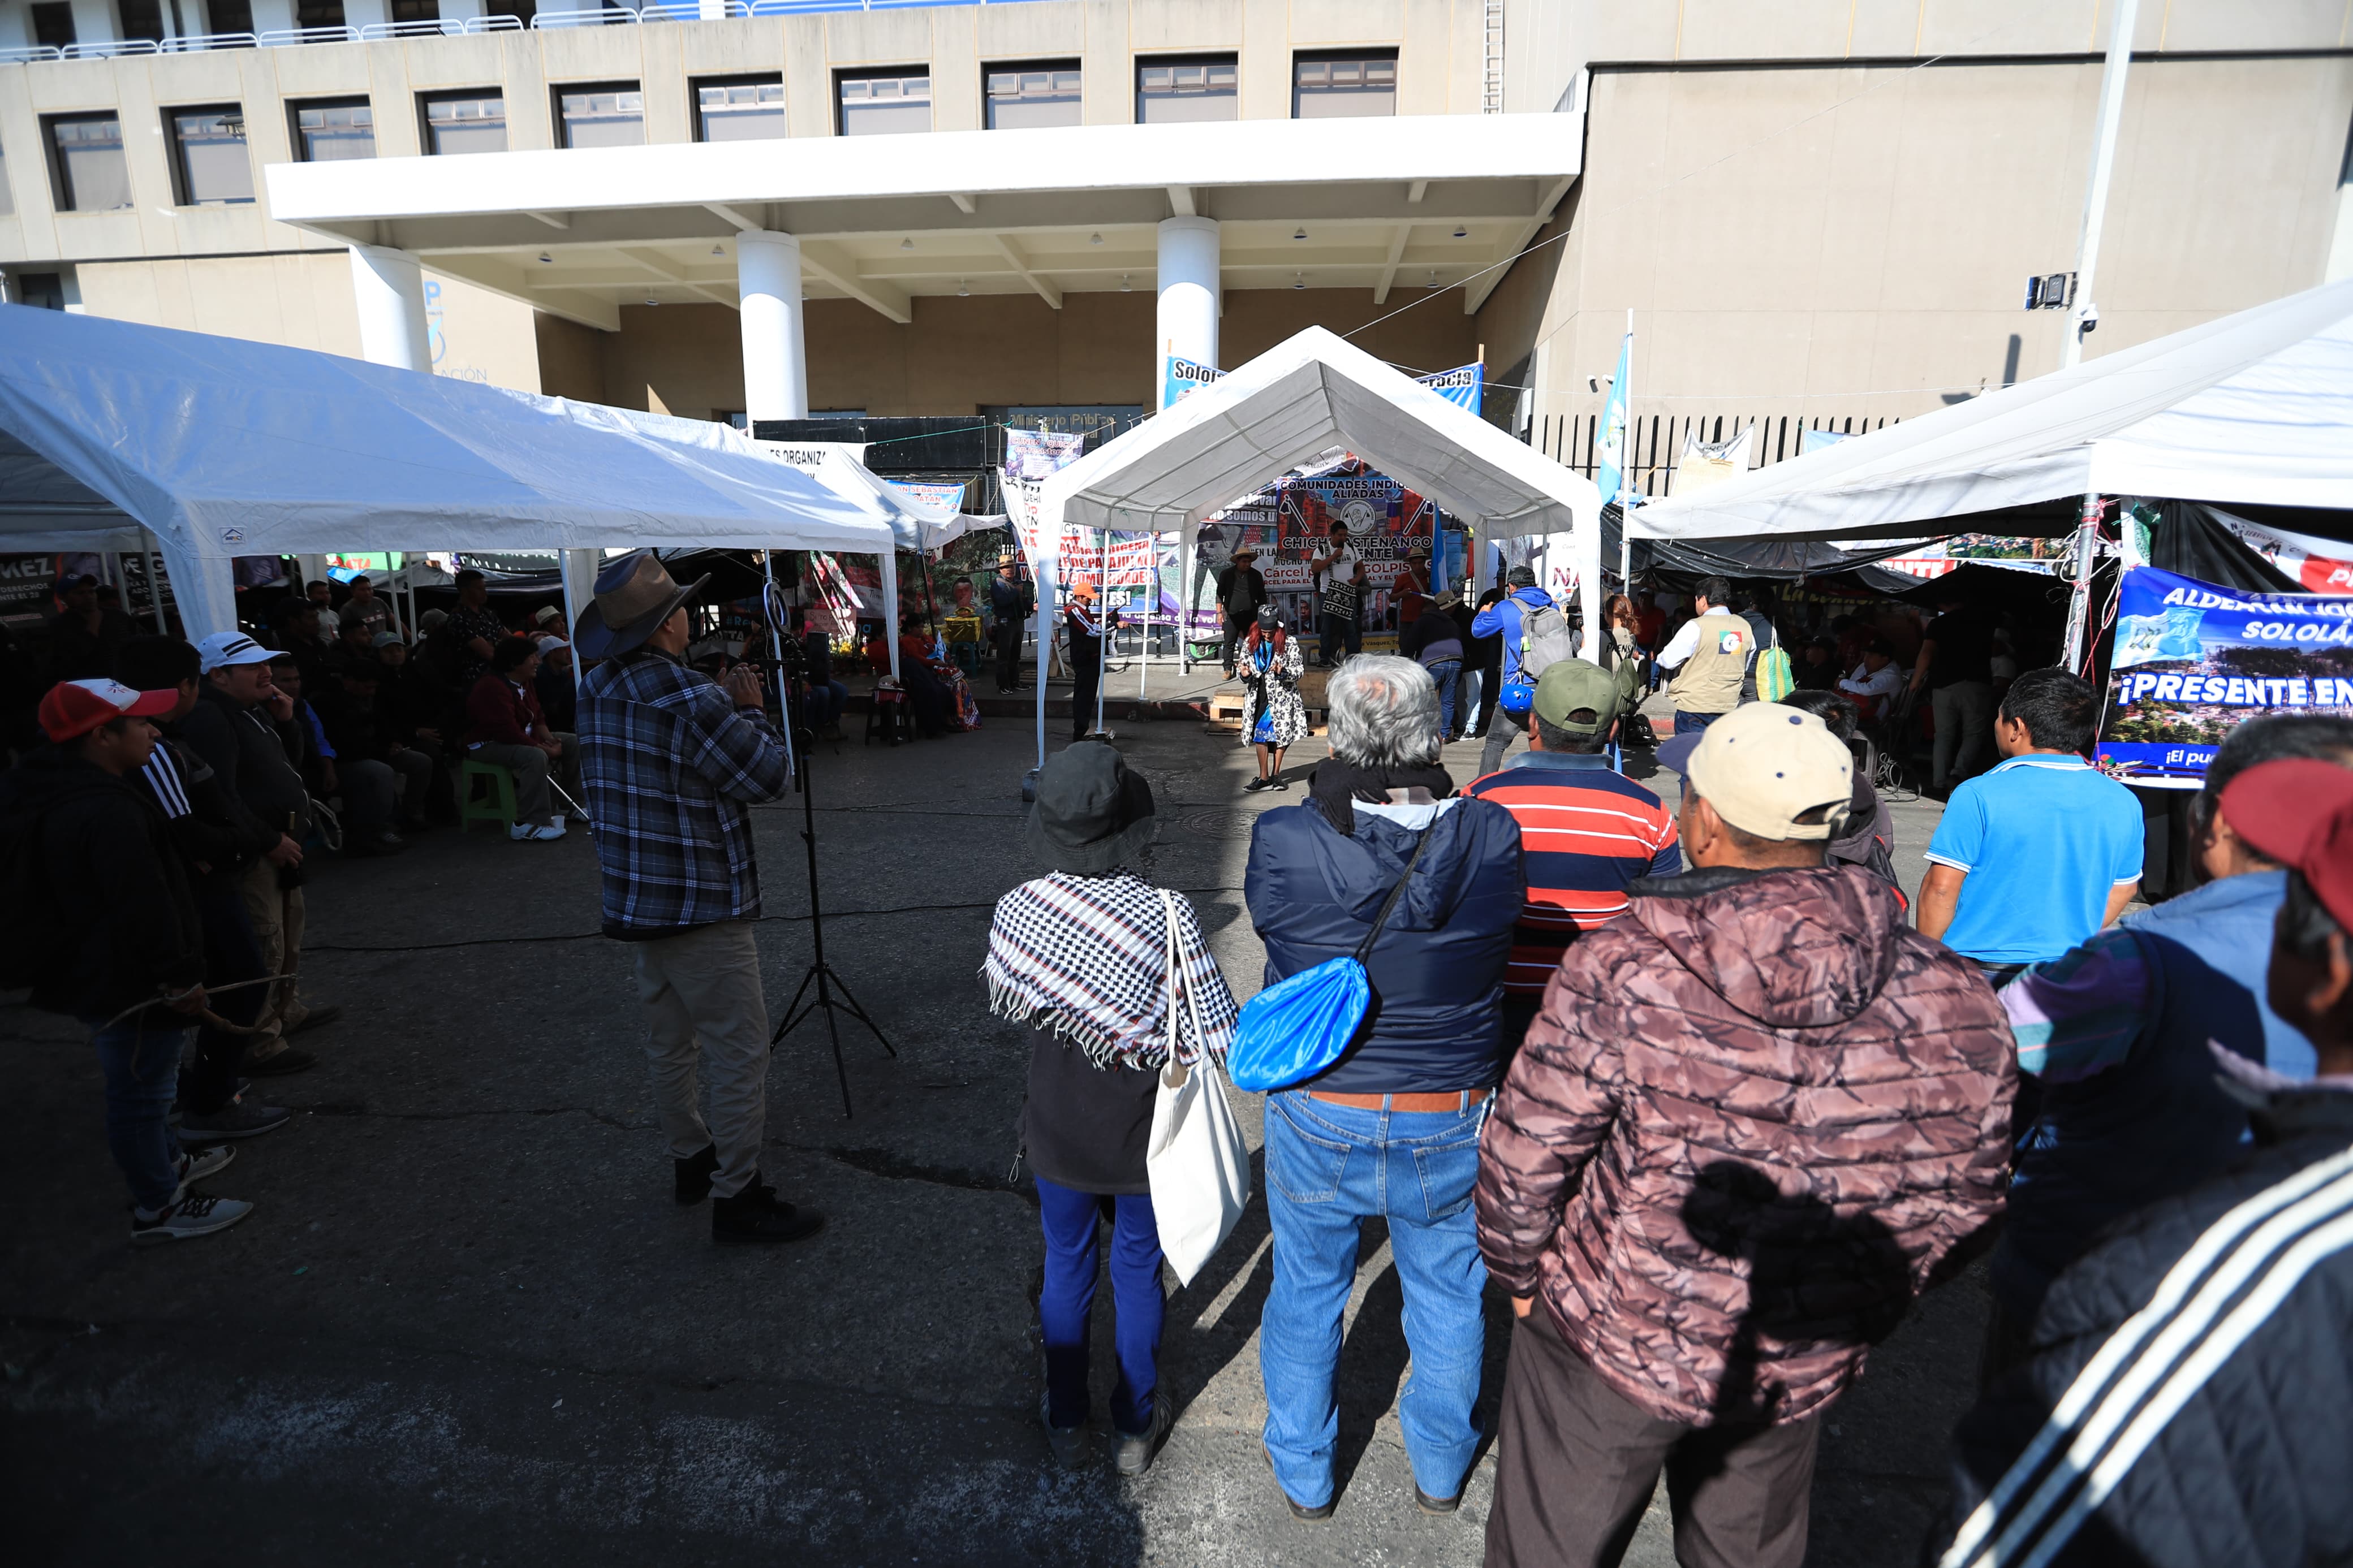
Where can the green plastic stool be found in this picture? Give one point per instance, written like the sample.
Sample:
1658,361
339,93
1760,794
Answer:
495,804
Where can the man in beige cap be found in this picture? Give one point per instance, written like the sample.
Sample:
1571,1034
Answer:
1757,1114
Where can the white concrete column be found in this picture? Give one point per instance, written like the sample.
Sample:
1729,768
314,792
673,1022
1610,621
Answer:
1188,297
776,350
388,286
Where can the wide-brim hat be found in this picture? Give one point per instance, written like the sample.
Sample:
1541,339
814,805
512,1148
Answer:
1092,815
634,594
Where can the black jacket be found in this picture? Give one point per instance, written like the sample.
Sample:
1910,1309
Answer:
2248,1469
241,745
1240,590
114,920
217,836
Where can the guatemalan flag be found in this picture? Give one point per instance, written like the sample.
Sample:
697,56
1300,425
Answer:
1611,446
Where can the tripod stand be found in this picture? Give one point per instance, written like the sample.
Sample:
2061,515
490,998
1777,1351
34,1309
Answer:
821,974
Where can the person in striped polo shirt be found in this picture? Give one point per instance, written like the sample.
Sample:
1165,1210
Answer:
1585,830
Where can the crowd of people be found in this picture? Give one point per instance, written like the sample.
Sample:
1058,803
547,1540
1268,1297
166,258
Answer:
1698,1089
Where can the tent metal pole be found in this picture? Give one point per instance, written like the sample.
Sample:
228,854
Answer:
2081,554
1102,639
771,602
155,578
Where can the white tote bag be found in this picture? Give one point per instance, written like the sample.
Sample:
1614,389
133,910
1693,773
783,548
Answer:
1197,1162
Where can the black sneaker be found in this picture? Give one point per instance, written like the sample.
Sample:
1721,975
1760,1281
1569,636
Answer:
694,1173
1435,1505
1131,1455
186,1217
1299,1510
755,1214
279,1063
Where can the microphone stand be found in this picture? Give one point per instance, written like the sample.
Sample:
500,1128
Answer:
821,974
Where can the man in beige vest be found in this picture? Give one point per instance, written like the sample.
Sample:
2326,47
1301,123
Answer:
1709,654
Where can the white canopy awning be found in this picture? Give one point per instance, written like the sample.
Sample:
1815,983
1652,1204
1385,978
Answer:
2256,408
1313,392
225,448
916,524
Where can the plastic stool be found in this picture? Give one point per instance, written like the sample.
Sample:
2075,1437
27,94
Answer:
496,805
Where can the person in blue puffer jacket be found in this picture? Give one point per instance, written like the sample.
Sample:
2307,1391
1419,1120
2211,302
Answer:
1507,616
1392,1127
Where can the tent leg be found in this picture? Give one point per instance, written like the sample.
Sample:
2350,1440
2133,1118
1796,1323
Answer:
889,560
2079,603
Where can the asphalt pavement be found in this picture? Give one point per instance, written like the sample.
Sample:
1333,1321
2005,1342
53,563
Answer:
466,1325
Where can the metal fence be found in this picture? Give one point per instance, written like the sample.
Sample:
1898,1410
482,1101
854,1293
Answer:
1657,439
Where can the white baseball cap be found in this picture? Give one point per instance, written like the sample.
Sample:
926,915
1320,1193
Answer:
222,649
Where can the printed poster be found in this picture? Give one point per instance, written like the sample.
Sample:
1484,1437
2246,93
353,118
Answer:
1378,521
1462,385
2193,660
1180,376
1034,454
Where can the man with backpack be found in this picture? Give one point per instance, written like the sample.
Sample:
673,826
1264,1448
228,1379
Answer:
105,932
1710,657
1534,636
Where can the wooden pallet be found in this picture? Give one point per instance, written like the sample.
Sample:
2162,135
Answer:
1225,708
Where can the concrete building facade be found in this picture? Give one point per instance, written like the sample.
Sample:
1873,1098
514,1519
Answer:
1824,208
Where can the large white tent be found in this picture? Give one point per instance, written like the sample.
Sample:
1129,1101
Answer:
221,448
2256,408
1313,392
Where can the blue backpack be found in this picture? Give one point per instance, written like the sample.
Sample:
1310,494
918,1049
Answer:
1296,1027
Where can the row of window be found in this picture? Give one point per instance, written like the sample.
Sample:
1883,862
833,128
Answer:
53,20
210,167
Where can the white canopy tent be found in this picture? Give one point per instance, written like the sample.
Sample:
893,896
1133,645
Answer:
223,447
1313,392
2256,408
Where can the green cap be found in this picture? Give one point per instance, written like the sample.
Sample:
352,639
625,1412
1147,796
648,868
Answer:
1569,684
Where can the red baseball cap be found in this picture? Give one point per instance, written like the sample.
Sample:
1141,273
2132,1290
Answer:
75,708
2299,811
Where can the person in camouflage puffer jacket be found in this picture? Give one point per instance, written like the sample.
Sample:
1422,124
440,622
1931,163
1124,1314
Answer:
1757,1115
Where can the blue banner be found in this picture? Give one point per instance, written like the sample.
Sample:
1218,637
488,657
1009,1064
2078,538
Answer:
1610,446
1181,376
2193,660
1462,385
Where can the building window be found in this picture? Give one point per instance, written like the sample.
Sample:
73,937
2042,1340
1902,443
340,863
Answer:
210,167
883,103
142,19
1194,86
42,290
465,122
1024,96
53,24
612,114
230,15
521,10
739,108
86,163
330,131
1343,86
415,10
318,13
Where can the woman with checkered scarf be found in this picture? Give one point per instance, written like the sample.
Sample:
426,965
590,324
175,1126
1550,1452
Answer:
1082,954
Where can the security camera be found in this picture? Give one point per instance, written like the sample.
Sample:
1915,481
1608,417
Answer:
2091,321
1596,382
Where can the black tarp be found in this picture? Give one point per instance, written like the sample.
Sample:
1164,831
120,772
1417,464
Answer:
1679,562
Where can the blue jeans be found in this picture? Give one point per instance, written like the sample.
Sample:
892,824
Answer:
1328,1167
141,1060
1068,1219
1445,672
824,703
1687,722
1467,698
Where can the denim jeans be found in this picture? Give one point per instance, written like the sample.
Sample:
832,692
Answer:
1328,1167
1467,698
1445,672
1069,1218
141,1061
230,954
1687,722
821,709
1340,639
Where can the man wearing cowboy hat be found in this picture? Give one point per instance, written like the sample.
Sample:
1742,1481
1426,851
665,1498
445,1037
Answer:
1242,589
672,761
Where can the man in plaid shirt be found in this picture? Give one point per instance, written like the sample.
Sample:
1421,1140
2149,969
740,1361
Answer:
671,762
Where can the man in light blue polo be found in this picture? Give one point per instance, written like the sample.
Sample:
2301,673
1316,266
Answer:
2041,852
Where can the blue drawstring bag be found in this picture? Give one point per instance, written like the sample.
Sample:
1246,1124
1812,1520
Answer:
1296,1027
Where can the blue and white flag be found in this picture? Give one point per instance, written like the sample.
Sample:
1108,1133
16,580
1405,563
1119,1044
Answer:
1611,445
1462,385
1181,376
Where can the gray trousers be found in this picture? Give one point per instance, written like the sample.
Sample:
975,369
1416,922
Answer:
373,790
1502,730
531,770
705,1017
1963,713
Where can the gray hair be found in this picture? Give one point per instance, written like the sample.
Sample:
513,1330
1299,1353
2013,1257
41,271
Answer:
1384,712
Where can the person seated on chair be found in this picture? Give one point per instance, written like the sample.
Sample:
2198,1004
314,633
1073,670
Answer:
827,696
927,693
1874,683
504,725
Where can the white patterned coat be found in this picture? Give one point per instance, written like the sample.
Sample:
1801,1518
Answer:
1278,692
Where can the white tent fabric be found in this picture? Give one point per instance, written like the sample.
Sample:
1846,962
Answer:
225,448
2256,408
917,524
1306,394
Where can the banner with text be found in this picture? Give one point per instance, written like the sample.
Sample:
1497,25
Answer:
1182,376
1462,385
2193,660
